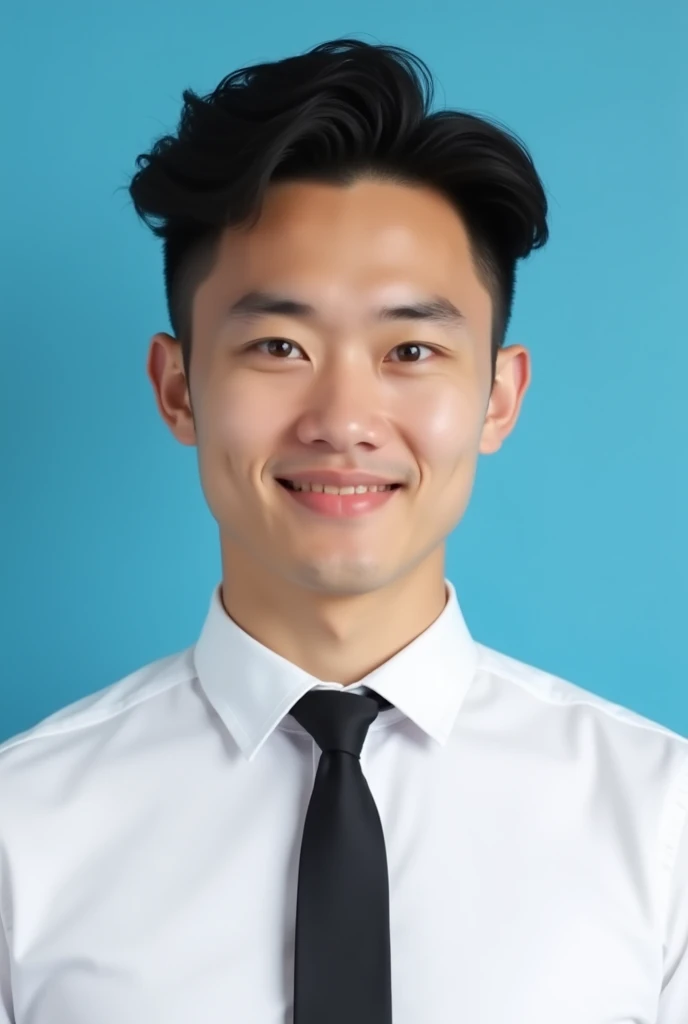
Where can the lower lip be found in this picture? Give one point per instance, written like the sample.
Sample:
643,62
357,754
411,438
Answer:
341,506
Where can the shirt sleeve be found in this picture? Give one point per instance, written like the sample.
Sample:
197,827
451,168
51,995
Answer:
673,999
6,1011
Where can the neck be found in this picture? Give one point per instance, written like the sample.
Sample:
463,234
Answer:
335,637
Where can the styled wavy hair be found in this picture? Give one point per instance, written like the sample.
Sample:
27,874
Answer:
342,111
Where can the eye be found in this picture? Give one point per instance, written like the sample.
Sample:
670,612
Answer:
284,342
273,342
415,344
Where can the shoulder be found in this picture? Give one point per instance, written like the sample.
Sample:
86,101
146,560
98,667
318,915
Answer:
569,700
630,765
36,752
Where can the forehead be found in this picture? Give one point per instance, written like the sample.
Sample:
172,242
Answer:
348,244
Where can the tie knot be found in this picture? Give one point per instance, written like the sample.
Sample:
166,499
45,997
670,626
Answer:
337,721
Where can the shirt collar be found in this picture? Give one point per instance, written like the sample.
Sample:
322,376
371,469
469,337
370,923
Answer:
253,688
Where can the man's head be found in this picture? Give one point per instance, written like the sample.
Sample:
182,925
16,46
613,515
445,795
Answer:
323,180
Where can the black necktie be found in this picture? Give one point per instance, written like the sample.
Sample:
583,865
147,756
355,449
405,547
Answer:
342,969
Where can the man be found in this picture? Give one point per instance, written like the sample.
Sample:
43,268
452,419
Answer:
337,805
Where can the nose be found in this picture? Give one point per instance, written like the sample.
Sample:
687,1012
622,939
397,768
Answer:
345,408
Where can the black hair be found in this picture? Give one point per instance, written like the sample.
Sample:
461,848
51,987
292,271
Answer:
344,110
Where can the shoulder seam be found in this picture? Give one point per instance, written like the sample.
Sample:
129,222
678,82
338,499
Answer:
66,727
647,725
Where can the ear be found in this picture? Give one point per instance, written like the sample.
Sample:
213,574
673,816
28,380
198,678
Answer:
511,383
165,368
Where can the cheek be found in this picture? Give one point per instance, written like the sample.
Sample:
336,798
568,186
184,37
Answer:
446,427
236,433
242,423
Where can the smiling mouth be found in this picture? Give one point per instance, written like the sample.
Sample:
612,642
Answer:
338,507
289,486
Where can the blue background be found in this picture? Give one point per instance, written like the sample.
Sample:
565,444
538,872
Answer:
572,555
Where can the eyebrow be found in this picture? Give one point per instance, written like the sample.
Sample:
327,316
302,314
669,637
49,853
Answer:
435,309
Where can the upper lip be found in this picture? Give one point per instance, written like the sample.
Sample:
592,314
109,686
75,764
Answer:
336,478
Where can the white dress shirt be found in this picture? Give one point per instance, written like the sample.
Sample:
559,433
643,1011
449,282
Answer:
536,834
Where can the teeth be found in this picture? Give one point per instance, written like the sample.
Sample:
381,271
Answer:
328,489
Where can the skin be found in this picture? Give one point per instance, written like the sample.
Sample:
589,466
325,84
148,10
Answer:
339,597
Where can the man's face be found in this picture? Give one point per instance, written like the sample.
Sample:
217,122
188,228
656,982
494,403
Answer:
403,399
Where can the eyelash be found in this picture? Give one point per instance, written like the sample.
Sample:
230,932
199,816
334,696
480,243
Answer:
418,344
